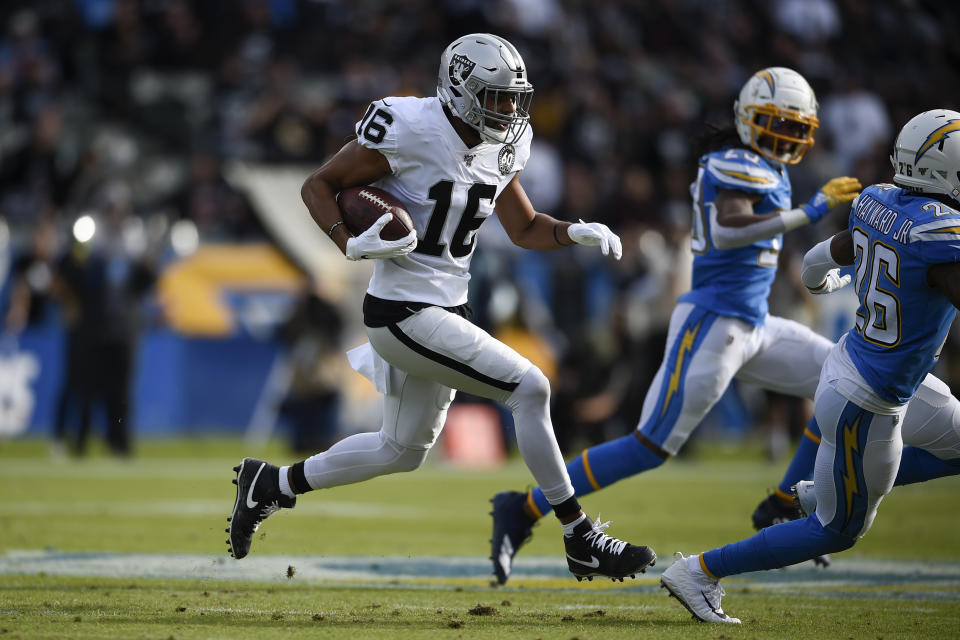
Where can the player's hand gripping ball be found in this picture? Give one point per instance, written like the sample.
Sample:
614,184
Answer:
360,207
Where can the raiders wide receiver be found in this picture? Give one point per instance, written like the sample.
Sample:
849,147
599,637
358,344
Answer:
451,159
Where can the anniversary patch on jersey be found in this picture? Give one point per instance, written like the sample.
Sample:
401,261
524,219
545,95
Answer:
460,68
506,159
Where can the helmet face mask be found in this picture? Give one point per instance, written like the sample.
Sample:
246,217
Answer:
776,114
504,109
483,80
926,155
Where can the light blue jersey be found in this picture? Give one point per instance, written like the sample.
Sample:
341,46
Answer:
902,321
735,282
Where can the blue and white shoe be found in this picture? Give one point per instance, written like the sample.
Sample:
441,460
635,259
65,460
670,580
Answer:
700,595
512,527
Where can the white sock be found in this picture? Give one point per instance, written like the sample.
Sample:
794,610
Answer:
285,483
693,566
569,527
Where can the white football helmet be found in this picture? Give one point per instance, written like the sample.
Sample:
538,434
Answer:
475,72
926,155
776,114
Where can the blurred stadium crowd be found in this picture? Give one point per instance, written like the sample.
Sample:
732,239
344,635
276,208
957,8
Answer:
133,111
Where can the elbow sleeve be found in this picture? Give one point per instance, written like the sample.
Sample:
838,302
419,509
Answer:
735,237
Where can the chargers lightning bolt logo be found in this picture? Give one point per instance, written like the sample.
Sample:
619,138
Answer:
850,448
937,136
767,77
686,344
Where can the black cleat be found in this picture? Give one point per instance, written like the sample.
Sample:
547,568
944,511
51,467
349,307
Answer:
512,527
822,561
772,511
258,497
591,552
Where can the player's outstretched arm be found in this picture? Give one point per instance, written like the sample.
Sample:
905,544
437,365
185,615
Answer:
531,230
836,192
946,277
821,264
736,225
354,165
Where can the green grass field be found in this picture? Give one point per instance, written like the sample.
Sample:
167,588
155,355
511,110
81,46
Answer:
102,548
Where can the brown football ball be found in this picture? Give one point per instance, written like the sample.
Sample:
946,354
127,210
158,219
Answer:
360,207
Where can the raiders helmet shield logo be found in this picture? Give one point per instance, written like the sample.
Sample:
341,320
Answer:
506,158
460,68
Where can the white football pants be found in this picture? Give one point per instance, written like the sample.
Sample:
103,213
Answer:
705,351
428,356
863,437
932,421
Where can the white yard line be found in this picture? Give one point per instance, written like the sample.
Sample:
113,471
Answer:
843,574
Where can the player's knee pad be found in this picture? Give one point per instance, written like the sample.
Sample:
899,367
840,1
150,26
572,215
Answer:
533,390
401,458
701,392
410,459
932,420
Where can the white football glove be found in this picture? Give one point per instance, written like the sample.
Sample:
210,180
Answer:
370,245
592,234
831,282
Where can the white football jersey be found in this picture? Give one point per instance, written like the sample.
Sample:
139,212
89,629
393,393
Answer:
448,188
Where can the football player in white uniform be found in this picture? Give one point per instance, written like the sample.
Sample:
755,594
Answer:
449,159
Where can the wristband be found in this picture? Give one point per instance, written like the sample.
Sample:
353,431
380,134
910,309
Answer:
334,226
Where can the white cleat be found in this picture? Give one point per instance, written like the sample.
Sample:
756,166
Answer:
804,497
701,596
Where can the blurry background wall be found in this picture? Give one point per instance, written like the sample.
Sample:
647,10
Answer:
151,154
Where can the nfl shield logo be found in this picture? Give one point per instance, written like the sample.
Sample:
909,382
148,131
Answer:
468,159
